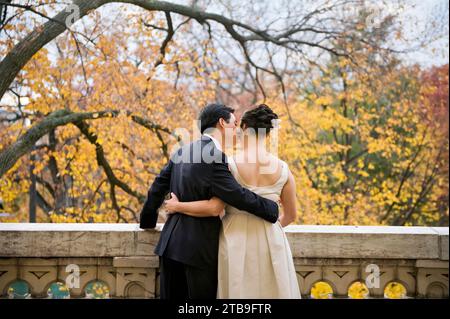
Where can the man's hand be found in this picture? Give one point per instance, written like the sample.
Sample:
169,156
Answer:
172,205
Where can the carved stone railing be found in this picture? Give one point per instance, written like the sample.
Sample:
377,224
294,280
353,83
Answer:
120,257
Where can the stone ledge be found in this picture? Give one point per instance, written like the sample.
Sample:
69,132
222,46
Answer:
443,237
136,262
376,242
440,264
126,240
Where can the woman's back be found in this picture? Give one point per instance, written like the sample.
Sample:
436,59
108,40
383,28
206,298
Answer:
247,240
251,176
259,172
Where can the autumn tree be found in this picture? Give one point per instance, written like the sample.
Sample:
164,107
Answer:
83,107
356,132
435,100
90,110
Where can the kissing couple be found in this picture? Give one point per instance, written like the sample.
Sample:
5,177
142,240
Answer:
224,234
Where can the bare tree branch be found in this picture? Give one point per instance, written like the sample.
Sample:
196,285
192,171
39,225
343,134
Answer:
16,59
10,154
103,162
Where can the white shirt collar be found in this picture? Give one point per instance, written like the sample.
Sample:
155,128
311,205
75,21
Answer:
216,142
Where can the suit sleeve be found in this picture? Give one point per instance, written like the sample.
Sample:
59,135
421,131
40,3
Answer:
225,186
155,197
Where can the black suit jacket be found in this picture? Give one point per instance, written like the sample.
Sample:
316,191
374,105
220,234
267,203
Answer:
192,177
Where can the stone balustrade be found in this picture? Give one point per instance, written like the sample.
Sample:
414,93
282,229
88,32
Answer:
118,261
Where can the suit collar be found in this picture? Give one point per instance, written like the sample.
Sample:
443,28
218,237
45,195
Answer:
215,141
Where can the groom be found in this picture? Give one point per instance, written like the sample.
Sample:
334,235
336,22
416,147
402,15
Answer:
188,247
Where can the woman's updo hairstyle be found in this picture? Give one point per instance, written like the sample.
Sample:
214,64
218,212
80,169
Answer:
261,117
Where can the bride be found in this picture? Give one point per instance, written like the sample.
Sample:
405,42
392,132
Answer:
255,260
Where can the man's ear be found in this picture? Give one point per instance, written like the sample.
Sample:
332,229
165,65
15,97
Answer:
222,122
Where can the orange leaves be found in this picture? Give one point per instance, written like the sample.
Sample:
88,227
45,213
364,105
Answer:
324,100
114,82
354,136
349,157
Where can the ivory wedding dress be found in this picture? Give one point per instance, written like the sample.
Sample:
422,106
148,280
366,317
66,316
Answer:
255,260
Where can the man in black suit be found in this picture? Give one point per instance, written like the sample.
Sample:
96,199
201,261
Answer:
188,246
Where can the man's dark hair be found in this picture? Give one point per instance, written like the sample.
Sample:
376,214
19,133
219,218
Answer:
212,113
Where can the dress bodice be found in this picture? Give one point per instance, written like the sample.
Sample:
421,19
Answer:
272,192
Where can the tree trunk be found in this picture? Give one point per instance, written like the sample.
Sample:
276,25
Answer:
10,155
18,57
